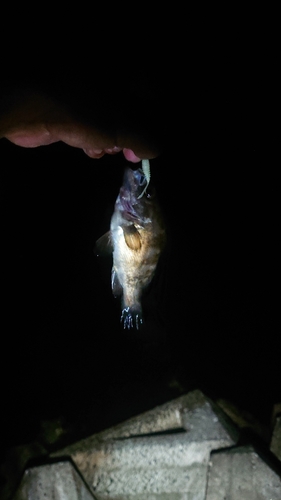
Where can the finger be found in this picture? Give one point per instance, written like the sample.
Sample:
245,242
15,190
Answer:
130,155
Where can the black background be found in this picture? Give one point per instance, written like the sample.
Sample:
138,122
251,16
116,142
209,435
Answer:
212,314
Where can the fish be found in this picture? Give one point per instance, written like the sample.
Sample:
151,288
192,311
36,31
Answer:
136,239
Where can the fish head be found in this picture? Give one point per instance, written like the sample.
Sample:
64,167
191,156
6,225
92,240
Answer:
134,201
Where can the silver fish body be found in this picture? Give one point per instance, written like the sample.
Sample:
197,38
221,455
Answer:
137,235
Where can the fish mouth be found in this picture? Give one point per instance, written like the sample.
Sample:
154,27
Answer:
134,180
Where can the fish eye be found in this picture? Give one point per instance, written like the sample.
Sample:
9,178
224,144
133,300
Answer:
142,181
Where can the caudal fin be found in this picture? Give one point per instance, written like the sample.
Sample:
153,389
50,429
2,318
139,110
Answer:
131,317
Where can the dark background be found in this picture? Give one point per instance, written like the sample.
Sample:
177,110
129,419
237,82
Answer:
212,314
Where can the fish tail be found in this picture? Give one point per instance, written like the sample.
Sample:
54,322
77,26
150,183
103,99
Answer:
131,317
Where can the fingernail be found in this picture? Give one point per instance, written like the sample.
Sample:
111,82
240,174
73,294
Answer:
115,149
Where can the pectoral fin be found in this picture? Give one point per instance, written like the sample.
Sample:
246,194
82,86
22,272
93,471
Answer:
132,237
104,245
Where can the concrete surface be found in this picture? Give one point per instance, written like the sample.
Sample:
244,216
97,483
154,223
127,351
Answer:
59,481
186,449
241,474
134,459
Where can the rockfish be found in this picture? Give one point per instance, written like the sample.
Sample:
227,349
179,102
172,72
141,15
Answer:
136,239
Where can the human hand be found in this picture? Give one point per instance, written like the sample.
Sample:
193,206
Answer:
33,118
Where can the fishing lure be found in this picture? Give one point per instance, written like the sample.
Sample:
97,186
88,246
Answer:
146,171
